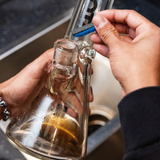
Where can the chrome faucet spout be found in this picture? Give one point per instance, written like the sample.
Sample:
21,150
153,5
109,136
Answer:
83,14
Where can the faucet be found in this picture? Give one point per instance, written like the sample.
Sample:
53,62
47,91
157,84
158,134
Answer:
83,14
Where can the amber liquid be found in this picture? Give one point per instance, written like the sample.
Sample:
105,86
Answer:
59,136
64,133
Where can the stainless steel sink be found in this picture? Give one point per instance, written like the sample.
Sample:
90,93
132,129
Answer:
105,88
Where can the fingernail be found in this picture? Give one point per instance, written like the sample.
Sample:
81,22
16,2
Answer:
91,90
99,21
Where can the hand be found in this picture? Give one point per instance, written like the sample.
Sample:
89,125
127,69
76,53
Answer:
135,57
22,89
25,85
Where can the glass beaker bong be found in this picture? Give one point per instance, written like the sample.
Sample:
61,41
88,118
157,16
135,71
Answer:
55,124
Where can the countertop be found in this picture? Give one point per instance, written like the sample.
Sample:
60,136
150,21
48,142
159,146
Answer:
20,19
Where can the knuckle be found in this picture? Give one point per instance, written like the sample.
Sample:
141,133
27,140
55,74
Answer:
157,32
133,11
107,33
48,54
153,29
28,67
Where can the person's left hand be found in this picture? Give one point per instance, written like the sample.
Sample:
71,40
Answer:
24,87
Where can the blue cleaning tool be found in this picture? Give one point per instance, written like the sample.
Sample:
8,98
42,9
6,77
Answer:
82,31
89,28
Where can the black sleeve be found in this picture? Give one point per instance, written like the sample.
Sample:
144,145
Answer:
140,120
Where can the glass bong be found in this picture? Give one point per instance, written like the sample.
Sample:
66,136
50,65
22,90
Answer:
54,125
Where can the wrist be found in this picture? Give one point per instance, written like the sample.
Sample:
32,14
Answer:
135,84
4,107
1,111
5,113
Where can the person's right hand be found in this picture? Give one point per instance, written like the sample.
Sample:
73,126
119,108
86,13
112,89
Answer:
134,59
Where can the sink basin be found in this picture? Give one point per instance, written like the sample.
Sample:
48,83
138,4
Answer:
105,88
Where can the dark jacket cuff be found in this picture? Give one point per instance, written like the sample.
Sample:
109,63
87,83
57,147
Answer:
140,118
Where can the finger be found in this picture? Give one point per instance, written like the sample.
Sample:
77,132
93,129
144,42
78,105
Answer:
90,70
73,100
95,38
79,87
20,107
82,68
124,29
28,78
70,111
37,67
44,60
102,49
36,90
34,71
107,32
91,97
133,19
126,38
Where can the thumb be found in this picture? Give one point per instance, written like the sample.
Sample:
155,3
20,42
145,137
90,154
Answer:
36,69
106,31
